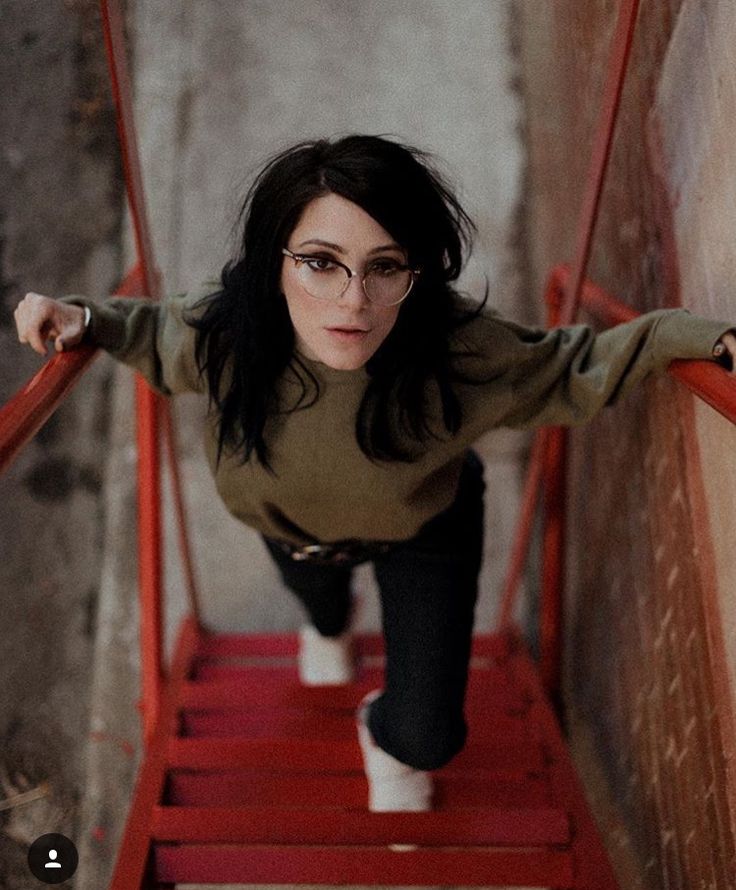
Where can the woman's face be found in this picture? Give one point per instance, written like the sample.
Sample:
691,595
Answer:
334,228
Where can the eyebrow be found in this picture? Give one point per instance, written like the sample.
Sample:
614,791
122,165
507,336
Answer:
338,249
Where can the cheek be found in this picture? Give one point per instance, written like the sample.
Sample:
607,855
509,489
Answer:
387,321
295,300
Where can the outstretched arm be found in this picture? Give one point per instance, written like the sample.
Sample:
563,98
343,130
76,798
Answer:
151,336
538,377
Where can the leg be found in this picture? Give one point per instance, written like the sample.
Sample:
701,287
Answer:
428,594
324,590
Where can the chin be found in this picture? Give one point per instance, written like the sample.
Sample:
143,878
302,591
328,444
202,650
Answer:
345,362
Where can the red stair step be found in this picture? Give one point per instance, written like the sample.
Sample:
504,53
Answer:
495,826
276,645
297,755
312,724
223,863
274,692
454,789
286,671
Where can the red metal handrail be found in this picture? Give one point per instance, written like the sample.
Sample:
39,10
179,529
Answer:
705,379
24,415
29,409
612,91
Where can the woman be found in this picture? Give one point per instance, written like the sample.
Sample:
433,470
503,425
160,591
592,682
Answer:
347,380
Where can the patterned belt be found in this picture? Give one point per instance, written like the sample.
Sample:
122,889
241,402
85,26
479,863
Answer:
348,551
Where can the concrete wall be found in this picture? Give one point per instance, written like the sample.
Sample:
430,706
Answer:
649,627
59,232
694,116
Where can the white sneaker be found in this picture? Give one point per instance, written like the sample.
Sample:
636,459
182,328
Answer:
393,786
325,661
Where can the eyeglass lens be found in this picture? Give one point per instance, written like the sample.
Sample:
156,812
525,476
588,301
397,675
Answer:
384,284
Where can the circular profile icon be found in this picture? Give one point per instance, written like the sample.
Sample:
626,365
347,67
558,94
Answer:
52,858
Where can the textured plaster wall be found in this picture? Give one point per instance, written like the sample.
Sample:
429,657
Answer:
649,611
695,111
60,214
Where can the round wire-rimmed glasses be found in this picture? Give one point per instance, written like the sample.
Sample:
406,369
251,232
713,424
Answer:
385,282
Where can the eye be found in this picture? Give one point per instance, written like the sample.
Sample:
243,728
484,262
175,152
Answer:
384,267
319,263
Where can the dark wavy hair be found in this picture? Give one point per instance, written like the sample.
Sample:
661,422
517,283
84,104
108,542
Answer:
245,336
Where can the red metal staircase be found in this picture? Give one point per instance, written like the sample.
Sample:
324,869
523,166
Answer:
251,777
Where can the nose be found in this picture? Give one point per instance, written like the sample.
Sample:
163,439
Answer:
354,295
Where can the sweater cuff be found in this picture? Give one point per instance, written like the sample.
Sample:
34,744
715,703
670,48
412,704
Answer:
106,327
681,335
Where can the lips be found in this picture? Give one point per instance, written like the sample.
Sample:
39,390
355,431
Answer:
348,335
350,329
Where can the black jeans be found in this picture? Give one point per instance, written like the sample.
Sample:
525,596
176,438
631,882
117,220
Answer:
428,587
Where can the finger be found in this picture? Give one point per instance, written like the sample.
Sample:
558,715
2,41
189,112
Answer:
30,322
20,324
43,324
39,330
65,339
35,339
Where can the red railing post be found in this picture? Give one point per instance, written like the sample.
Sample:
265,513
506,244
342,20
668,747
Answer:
522,536
553,532
618,62
150,543
150,552
551,617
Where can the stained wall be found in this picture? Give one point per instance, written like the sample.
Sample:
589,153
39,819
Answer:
649,612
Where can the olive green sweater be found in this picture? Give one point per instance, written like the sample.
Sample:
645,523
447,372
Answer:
326,489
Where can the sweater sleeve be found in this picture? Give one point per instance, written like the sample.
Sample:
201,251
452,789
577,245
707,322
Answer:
539,377
151,336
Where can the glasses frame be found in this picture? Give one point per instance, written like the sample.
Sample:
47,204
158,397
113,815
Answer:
303,257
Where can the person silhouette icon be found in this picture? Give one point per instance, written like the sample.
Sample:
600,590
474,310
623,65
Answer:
52,856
